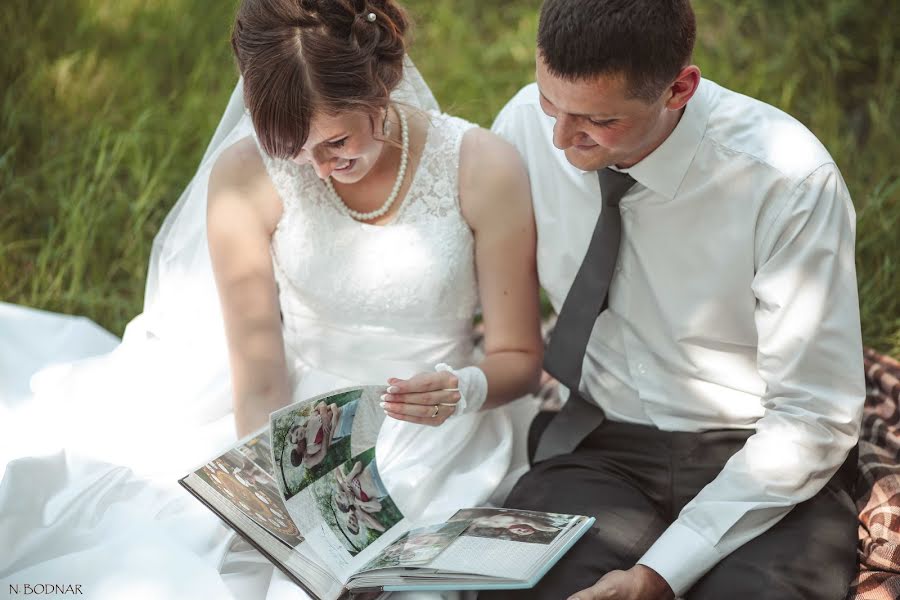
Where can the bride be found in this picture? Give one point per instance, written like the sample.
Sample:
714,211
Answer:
352,238
353,231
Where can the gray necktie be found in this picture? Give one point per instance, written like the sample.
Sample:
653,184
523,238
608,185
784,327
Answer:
586,299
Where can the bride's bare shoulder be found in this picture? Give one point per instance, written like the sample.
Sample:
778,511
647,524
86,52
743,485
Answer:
492,176
239,182
238,164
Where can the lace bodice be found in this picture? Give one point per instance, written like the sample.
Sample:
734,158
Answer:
411,278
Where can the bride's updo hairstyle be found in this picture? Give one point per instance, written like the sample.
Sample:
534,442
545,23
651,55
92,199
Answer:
299,57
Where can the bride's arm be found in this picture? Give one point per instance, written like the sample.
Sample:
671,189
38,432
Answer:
495,198
242,212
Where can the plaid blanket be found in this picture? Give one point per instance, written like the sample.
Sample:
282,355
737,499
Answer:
877,491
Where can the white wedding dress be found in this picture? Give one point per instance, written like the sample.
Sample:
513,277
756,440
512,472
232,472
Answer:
360,303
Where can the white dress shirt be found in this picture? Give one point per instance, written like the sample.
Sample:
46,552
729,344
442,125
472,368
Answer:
733,305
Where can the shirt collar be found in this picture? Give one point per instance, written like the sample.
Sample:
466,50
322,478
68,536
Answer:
664,169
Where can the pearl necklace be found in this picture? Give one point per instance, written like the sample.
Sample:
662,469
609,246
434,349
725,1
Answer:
404,160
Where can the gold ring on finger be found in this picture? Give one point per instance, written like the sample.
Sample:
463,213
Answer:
434,413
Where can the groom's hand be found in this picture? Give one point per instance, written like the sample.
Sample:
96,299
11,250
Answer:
637,583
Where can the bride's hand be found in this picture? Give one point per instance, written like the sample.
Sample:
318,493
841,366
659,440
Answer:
426,398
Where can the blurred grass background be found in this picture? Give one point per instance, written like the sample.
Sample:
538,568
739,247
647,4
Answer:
109,104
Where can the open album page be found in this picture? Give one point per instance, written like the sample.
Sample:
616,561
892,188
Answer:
323,455
241,485
489,542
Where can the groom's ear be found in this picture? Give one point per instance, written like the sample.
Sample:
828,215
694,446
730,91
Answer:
683,87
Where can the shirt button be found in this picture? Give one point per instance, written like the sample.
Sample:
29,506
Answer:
641,368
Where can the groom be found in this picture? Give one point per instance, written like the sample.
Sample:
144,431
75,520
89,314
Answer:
698,246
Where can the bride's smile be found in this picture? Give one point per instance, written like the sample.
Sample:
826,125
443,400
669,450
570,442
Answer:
345,166
346,148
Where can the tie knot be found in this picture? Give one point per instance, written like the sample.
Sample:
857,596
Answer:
613,185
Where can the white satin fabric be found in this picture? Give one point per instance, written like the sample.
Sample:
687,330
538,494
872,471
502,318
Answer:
68,518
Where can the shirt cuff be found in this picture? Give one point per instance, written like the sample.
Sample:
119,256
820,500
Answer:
681,556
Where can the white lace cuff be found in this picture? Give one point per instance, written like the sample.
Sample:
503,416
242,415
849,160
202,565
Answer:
472,388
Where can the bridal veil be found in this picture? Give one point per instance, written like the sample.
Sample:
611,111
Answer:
169,378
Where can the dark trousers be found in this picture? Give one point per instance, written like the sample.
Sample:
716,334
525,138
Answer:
636,479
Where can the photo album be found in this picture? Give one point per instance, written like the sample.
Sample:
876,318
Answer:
306,492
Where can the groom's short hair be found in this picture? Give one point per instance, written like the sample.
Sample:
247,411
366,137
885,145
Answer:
647,41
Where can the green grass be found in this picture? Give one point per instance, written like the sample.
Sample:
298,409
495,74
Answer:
108,105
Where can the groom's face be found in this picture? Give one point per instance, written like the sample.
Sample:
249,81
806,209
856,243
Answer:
597,123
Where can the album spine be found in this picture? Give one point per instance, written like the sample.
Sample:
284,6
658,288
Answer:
251,541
